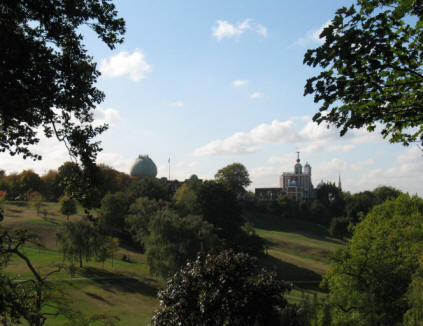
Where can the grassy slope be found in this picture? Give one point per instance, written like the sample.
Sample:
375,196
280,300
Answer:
297,250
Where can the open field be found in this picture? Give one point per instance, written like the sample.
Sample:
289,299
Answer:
297,250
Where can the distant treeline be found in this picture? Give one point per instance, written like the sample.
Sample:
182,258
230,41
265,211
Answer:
332,207
52,185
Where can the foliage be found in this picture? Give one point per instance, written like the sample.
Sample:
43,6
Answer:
139,216
111,180
106,247
29,181
48,78
318,212
371,69
28,299
369,278
51,190
332,199
78,241
36,200
383,193
339,227
185,199
218,206
235,176
67,206
76,318
359,204
287,207
414,315
150,187
173,240
221,289
112,212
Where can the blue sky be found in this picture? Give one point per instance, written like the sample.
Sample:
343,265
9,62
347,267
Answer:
212,83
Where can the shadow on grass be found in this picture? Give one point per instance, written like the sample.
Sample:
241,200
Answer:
304,251
112,282
97,297
289,272
309,287
270,222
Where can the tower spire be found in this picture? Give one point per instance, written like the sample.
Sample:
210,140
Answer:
298,156
339,181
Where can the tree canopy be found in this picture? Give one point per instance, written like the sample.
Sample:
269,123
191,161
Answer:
221,289
372,71
235,176
369,278
47,78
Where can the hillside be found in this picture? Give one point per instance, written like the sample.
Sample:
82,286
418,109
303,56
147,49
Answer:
298,250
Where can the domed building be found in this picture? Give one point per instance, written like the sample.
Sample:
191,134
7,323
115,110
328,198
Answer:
296,185
143,167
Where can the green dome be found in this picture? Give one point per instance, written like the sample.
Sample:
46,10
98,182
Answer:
143,167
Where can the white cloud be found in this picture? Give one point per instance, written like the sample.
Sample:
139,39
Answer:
239,143
226,29
310,138
312,36
242,143
177,104
340,148
239,83
263,171
404,175
123,63
110,116
256,95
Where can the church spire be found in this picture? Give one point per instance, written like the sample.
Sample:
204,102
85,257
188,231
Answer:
339,181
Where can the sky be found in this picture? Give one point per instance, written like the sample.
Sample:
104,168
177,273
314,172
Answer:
212,83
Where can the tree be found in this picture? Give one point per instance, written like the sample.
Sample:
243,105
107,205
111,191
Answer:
51,188
67,207
150,187
107,246
383,193
48,78
29,299
369,278
332,199
77,241
36,200
173,240
30,181
414,315
185,199
218,206
235,176
371,69
112,212
221,289
359,204
139,216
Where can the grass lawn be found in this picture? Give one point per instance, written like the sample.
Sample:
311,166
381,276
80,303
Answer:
297,250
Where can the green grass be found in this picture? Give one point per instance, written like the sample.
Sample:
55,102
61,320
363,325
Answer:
297,250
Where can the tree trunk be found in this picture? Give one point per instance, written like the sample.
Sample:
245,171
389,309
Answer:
80,258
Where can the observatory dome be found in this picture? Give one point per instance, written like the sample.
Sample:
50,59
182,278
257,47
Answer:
143,167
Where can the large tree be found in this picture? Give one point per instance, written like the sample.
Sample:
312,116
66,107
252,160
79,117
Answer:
235,176
222,289
47,78
371,69
369,278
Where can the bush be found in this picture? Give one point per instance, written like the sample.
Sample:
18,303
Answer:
221,289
